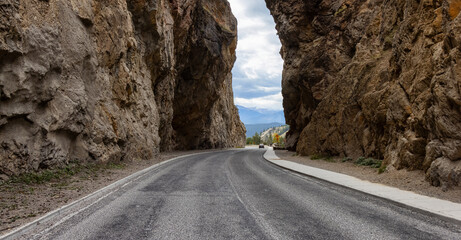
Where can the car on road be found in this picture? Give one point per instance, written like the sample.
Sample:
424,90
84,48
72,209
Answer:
261,145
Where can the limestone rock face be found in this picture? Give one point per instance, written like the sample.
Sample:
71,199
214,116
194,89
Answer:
374,78
90,80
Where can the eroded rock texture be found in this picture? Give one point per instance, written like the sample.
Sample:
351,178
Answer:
374,78
86,80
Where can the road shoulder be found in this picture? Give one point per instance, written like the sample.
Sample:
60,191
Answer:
446,209
26,205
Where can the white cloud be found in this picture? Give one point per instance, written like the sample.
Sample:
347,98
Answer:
238,7
257,89
258,69
271,102
258,47
258,57
269,89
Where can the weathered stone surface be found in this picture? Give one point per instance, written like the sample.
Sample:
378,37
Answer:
374,78
112,80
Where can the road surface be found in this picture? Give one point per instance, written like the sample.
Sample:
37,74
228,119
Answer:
236,194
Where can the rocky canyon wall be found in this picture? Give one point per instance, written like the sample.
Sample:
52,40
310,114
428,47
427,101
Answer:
99,80
375,78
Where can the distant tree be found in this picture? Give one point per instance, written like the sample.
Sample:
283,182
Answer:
249,141
282,141
256,139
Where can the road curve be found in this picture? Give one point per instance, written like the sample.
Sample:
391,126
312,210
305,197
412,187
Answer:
236,194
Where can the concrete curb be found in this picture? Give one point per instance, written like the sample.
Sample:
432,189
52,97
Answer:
87,200
446,210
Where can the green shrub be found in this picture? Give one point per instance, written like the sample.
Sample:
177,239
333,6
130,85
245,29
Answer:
325,157
30,178
115,166
382,169
371,162
317,156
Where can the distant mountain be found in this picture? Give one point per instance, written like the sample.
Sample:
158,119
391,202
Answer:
281,131
257,116
258,128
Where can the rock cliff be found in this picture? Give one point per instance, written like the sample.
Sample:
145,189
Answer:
95,80
374,78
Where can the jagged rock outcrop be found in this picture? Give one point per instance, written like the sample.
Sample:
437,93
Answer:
374,78
86,80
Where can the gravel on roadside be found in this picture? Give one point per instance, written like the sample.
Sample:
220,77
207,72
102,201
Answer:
26,198
413,181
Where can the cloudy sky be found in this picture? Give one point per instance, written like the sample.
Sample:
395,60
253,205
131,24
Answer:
258,69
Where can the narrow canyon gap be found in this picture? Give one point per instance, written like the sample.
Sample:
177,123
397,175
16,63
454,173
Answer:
257,73
113,80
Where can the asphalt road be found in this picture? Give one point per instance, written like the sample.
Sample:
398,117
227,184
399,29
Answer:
236,194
